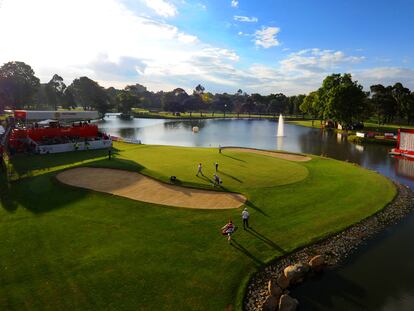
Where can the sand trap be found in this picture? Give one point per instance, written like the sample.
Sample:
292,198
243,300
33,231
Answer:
139,187
281,155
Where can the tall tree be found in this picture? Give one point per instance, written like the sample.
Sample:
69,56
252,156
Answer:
343,100
55,90
68,100
90,95
384,105
311,105
18,84
402,97
126,100
278,103
199,89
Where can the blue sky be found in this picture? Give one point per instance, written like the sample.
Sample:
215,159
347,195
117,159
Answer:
259,46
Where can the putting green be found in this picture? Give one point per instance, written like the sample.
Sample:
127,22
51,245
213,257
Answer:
238,169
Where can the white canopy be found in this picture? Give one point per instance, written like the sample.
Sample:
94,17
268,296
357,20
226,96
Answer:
56,115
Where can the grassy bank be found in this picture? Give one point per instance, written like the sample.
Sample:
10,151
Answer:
139,113
368,126
372,140
65,248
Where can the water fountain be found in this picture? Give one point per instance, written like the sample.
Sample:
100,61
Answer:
280,127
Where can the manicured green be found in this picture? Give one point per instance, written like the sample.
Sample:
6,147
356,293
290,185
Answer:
368,126
307,123
64,248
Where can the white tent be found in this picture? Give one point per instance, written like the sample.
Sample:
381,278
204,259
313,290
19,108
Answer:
56,115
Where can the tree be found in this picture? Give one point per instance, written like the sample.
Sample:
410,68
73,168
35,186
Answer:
136,89
199,89
278,103
174,101
311,105
55,90
222,102
18,84
126,100
402,97
383,103
249,106
192,103
342,99
294,103
90,95
68,100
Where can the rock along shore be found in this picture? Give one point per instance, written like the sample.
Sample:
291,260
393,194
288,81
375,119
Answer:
334,249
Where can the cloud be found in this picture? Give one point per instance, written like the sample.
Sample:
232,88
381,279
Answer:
135,49
246,19
317,60
234,3
162,7
129,49
385,76
266,37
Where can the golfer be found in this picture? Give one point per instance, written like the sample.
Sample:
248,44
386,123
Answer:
200,170
216,165
228,230
109,153
217,180
245,217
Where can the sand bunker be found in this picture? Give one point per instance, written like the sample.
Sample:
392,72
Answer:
280,155
139,187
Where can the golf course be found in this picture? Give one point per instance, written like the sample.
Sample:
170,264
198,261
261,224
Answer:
68,246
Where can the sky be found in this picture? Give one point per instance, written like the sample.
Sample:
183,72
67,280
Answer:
266,46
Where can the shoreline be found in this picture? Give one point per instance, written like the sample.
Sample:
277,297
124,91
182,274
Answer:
335,248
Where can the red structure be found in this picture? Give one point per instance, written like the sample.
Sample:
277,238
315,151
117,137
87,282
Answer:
46,135
52,136
405,143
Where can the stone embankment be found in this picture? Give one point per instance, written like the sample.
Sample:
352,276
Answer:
268,289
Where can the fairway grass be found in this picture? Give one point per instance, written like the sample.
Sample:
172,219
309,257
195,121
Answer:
66,248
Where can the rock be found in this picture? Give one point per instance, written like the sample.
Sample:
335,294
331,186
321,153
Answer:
274,289
282,281
296,272
317,263
287,303
270,304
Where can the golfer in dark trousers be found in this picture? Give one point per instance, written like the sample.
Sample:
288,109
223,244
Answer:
245,217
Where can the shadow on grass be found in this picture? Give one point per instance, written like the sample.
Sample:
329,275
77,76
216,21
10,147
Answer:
230,176
243,250
266,240
45,193
251,204
7,200
24,164
234,158
209,180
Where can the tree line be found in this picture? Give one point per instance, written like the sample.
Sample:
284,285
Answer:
339,98
21,89
343,100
